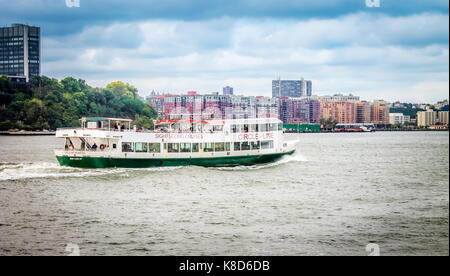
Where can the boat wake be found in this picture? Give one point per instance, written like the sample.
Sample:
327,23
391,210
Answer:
296,157
14,171
18,171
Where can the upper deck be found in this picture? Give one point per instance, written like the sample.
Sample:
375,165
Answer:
114,127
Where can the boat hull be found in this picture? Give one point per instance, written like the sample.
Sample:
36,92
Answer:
229,161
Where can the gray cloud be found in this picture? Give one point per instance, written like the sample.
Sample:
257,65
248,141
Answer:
206,54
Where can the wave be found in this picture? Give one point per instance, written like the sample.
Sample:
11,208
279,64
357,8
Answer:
17,171
296,157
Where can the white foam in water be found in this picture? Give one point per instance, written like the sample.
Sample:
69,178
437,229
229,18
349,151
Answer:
10,171
296,157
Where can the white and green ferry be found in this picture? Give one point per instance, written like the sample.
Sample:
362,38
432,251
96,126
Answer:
112,142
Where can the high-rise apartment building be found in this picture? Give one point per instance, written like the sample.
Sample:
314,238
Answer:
227,90
20,51
343,112
213,106
443,117
379,113
291,88
363,111
305,88
341,97
426,118
430,117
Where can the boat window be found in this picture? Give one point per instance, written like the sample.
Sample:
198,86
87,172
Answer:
176,126
127,147
267,144
173,147
237,146
154,147
256,145
273,127
141,147
263,128
245,128
245,146
217,128
227,146
236,128
253,128
185,147
195,147
114,146
208,147
219,146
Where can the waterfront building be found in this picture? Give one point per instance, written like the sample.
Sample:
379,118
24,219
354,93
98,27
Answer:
266,107
314,111
286,88
290,110
194,106
305,88
430,118
443,117
343,112
426,118
291,88
379,112
398,118
242,107
20,51
341,97
294,110
299,110
363,111
157,102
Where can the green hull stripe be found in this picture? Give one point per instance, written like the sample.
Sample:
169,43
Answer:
101,162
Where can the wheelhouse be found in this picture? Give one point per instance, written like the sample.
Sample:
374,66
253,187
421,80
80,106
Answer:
102,123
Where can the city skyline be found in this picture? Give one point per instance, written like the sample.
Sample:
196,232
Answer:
197,46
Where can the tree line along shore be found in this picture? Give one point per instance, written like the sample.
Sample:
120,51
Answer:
48,104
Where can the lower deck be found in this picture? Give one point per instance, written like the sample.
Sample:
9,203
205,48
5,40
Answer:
223,161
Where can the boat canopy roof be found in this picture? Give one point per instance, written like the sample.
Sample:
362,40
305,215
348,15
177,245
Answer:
221,121
163,122
99,119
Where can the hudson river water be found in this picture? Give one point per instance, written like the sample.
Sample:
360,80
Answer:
339,193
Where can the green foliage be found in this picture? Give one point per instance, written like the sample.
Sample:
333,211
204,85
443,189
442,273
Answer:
407,110
5,85
328,124
121,89
54,104
143,122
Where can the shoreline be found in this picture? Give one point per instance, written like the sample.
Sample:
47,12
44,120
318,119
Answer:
378,130
27,133
52,133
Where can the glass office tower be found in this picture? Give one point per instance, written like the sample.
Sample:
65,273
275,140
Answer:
20,51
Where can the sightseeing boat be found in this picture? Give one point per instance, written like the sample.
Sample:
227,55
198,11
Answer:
112,142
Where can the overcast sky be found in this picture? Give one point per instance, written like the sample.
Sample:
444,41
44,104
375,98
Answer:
399,51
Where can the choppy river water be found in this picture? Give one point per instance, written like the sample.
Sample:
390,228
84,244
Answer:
336,195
